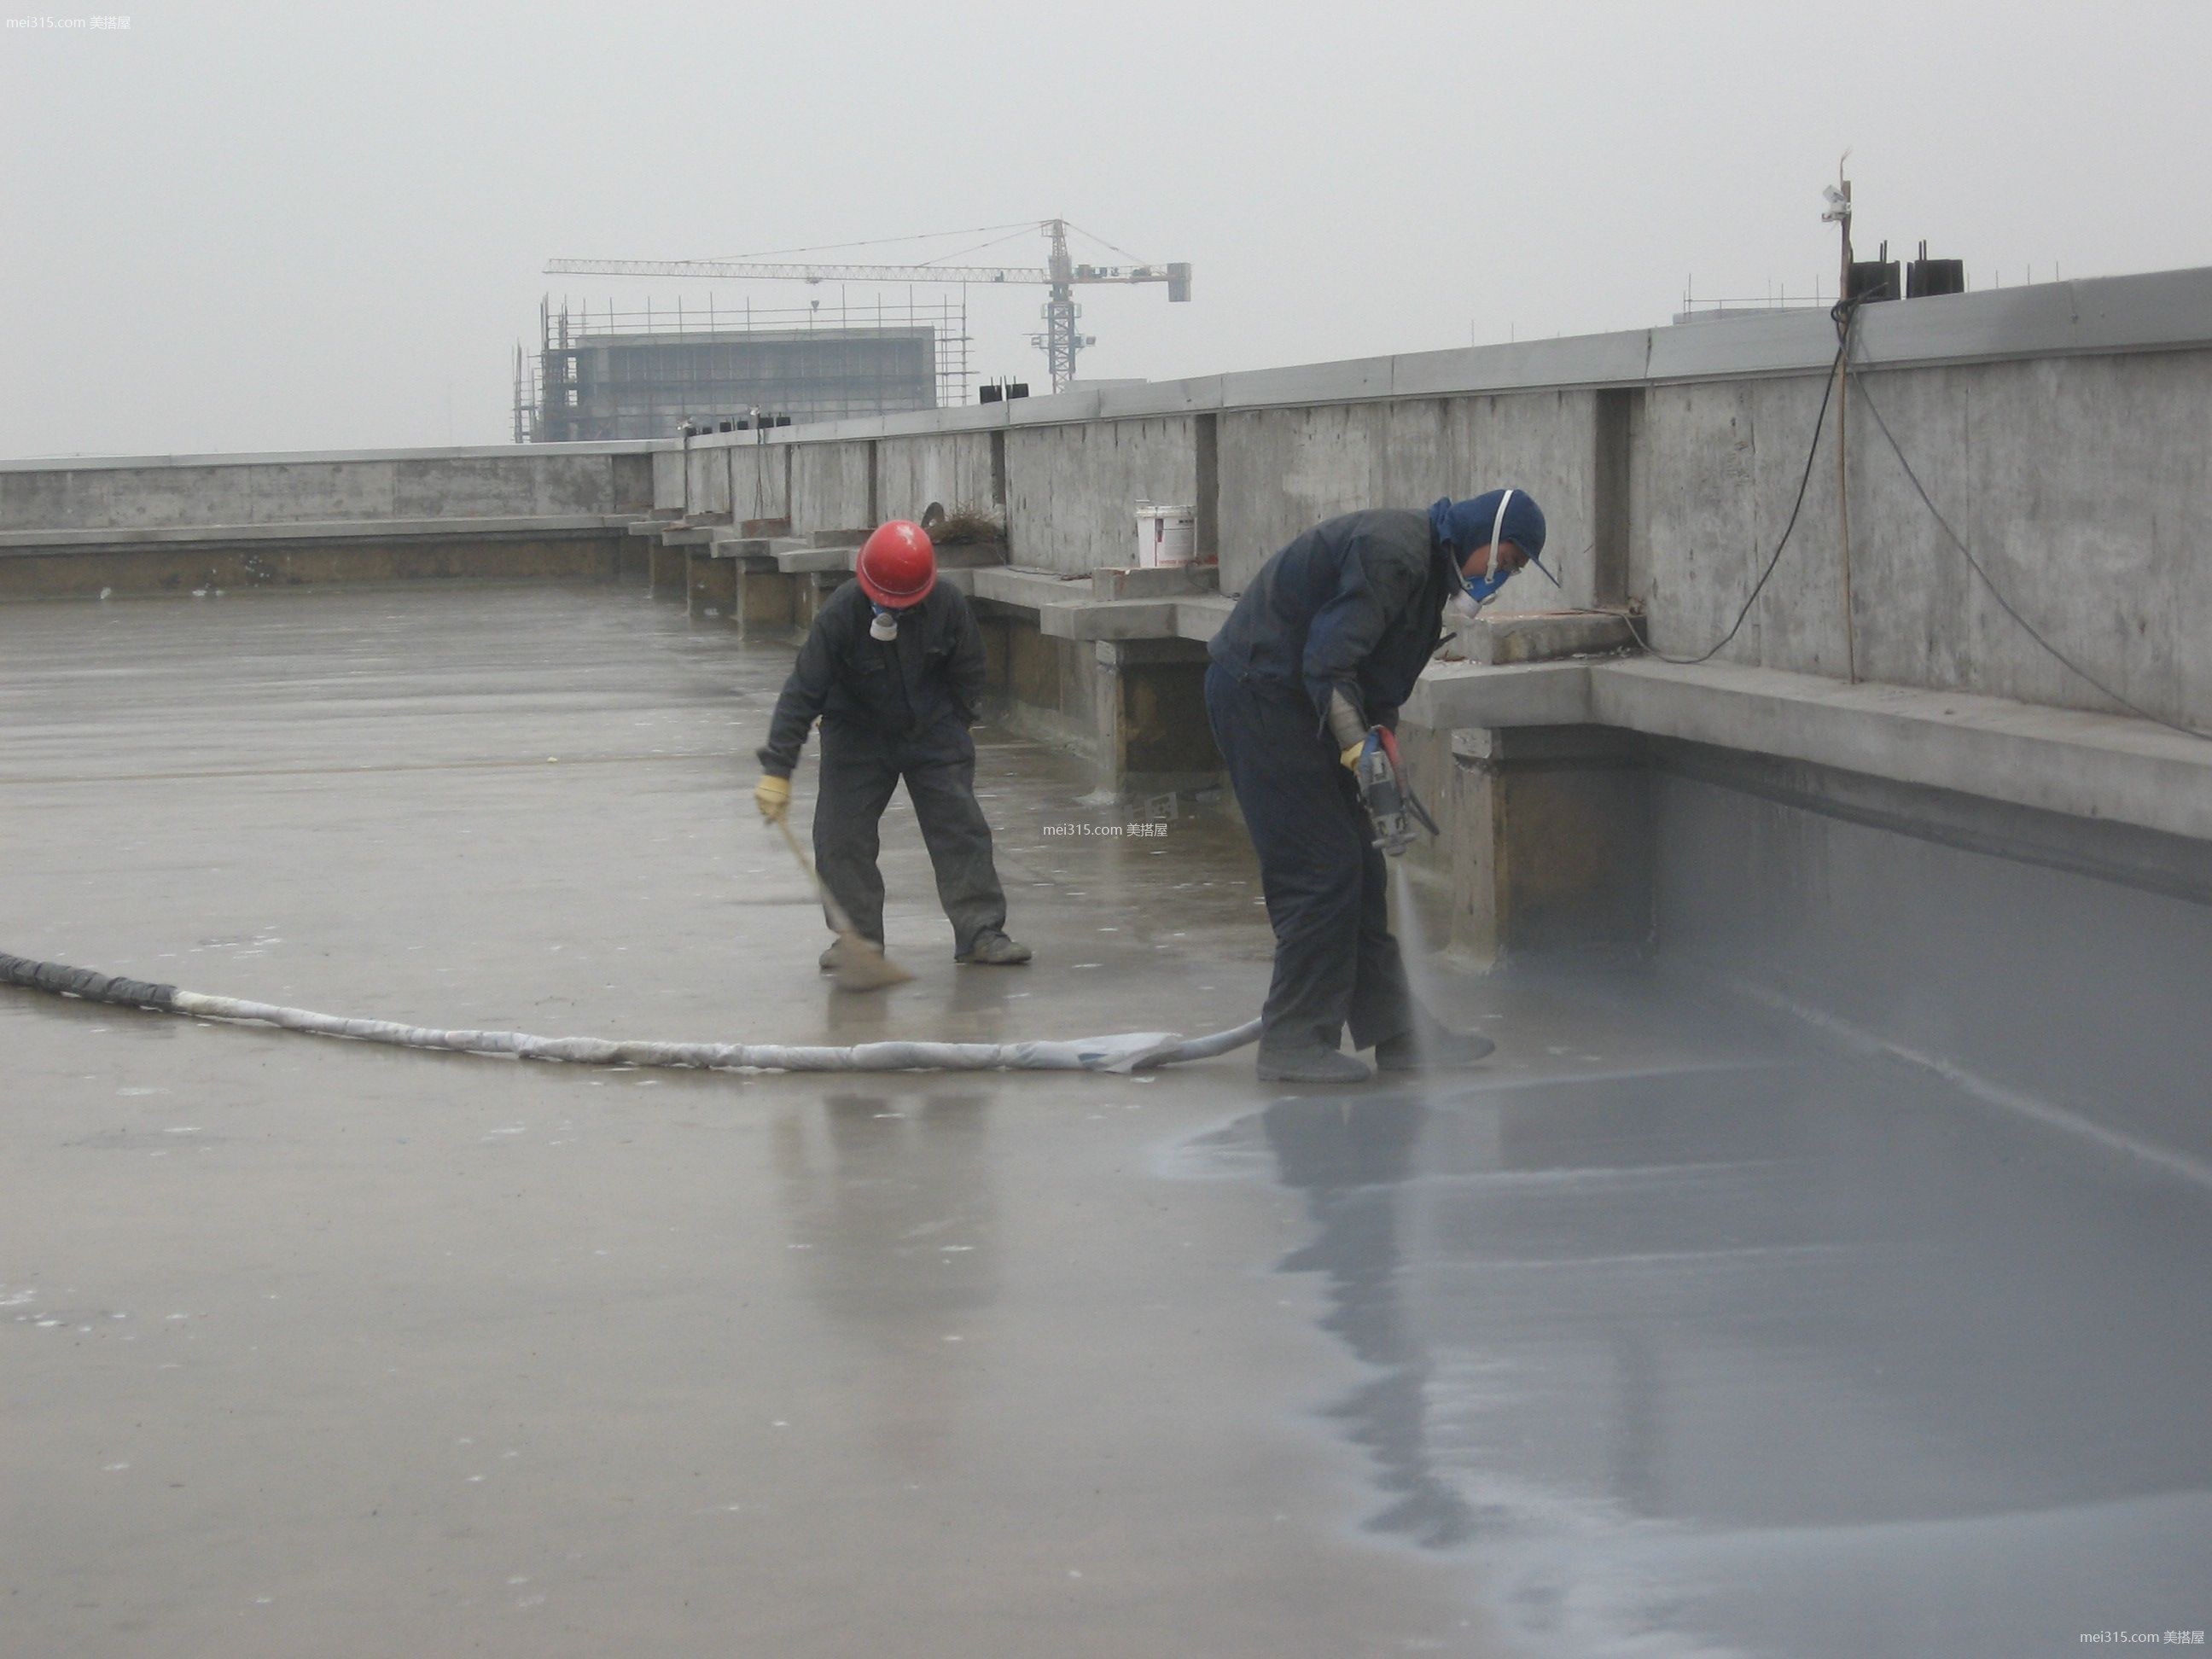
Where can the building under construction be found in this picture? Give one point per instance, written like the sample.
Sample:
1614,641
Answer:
607,374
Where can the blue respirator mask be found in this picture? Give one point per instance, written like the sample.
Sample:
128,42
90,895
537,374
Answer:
1479,591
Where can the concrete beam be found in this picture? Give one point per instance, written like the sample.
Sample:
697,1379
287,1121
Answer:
1112,619
2092,766
1453,696
807,561
1156,582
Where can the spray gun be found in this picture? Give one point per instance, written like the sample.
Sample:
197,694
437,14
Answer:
1388,795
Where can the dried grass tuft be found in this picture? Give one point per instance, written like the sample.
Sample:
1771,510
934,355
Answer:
967,524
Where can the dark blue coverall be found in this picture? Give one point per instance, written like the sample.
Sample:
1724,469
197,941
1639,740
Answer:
1355,604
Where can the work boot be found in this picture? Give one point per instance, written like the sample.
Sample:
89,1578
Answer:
830,961
1437,1045
1310,1065
995,949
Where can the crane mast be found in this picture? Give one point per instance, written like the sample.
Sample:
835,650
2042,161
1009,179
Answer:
1060,339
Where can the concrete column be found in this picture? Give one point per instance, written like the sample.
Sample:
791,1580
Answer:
1547,839
764,599
1612,491
1206,531
666,572
710,586
1149,709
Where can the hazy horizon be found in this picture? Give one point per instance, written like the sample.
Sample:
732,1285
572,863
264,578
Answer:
248,227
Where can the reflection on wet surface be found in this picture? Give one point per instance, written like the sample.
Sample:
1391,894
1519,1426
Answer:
1792,1357
894,1223
1666,1333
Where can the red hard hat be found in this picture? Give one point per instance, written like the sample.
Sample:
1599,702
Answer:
898,567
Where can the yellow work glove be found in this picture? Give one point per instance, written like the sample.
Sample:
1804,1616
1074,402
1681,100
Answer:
773,796
1350,757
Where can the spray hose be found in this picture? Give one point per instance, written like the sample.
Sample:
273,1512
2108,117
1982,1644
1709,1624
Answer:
1130,1051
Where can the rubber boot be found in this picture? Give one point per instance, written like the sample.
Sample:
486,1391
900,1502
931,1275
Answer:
1437,1046
995,949
1314,1064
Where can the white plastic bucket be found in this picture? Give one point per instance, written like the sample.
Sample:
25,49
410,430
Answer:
1166,535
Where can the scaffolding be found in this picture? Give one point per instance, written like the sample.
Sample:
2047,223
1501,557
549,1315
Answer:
606,373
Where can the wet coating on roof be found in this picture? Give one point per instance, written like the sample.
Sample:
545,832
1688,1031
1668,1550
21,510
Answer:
1671,1331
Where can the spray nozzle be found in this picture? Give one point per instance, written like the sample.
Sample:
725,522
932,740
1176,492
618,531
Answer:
1388,797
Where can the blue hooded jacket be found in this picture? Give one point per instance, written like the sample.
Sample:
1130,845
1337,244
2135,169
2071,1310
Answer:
1465,525
1356,604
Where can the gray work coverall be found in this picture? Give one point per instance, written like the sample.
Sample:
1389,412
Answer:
893,710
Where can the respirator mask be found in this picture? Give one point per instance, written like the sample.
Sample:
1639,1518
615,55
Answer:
1478,591
885,625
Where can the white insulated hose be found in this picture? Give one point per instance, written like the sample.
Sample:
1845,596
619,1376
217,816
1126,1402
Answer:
1127,1051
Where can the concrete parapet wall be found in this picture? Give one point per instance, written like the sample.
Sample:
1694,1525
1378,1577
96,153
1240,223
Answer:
2062,428
706,482
283,489
760,478
1285,470
1072,491
831,486
2082,485
952,469
243,567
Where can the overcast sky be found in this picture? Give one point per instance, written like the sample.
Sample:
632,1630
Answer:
240,227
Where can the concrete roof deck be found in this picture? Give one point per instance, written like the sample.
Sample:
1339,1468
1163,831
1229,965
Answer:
1671,1326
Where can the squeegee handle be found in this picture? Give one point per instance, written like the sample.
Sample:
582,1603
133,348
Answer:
839,921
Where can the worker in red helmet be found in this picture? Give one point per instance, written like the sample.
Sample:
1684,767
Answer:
893,668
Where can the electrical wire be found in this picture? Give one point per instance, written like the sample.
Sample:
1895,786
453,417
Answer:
1997,594
1844,314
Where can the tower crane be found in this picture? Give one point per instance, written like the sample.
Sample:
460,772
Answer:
1060,340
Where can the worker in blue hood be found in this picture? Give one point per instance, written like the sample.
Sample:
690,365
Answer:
1324,645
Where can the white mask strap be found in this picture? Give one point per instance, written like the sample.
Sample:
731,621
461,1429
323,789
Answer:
1497,524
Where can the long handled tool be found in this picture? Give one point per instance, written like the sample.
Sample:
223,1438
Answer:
857,962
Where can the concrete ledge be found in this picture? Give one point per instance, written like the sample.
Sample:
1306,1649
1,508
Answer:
44,542
805,560
1540,636
1027,589
1155,582
2093,766
1451,696
1109,619
1200,619
1065,609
